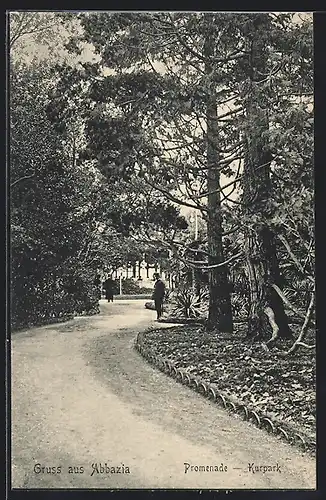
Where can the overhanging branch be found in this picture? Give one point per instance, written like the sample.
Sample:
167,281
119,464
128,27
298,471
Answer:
22,179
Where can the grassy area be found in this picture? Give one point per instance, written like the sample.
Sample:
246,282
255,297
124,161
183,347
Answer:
132,297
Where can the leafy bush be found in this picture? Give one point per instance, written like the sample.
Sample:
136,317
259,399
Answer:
145,290
240,296
130,287
240,306
41,297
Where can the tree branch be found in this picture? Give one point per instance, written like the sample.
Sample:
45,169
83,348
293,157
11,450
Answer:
287,302
304,328
275,329
220,264
168,195
293,257
22,179
202,195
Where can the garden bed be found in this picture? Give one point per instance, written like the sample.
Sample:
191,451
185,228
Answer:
280,387
42,322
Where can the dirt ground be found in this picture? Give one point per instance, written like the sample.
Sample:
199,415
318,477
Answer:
89,412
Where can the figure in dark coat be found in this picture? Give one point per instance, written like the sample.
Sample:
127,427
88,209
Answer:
108,287
158,295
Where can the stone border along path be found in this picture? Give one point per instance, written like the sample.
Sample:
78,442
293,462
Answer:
211,391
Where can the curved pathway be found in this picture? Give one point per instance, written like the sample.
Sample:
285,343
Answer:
84,402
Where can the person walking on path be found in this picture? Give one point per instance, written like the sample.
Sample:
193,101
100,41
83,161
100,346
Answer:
108,287
158,295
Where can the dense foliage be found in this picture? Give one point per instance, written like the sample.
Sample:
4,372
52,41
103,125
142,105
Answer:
214,112
69,225
51,216
209,112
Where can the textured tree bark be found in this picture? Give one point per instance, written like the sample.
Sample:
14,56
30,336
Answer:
220,312
263,271
260,245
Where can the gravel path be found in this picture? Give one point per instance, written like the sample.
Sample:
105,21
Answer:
84,401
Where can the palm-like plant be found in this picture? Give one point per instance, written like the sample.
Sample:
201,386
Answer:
188,304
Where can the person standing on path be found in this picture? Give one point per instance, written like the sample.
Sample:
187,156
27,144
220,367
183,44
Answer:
158,295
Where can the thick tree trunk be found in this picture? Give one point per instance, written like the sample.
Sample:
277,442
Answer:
220,312
266,307
263,271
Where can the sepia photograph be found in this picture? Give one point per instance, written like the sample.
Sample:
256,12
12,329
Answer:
162,250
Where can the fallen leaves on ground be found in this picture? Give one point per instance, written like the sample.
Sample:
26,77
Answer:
282,386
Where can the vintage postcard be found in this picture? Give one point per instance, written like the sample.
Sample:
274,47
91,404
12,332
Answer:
162,283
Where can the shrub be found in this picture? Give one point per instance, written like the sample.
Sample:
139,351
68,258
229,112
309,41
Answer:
184,302
130,287
37,299
240,296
